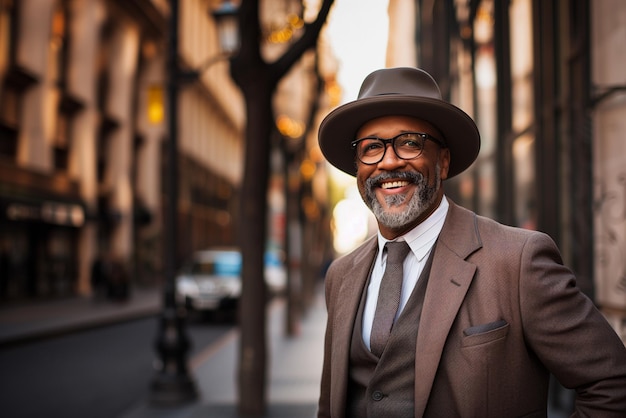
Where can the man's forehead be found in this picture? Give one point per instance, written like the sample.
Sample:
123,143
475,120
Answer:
396,124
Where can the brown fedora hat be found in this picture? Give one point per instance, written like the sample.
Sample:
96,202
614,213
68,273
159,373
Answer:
402,91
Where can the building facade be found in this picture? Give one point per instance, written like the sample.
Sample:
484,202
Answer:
543,81
82,139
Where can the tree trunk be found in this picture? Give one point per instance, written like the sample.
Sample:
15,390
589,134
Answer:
252,235
257,81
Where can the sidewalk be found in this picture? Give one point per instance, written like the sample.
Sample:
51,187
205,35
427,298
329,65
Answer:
24,323
294,372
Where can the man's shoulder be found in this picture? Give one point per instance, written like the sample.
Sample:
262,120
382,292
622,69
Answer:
465,215
465,223
357,254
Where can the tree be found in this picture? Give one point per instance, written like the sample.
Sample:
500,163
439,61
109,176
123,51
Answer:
258,80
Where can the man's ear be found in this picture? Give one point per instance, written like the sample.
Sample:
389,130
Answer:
444,162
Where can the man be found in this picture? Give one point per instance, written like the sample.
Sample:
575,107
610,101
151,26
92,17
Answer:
483,313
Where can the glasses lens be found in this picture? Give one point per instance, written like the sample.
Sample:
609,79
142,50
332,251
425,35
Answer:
370,150
409,145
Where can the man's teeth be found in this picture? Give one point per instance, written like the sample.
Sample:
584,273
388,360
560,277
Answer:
392,184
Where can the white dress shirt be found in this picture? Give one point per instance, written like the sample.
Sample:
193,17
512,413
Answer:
421,239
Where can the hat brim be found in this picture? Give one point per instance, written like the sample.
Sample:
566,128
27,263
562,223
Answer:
339,128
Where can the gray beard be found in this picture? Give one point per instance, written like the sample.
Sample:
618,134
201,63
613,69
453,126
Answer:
419,203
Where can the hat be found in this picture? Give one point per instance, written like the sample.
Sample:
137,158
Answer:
401,91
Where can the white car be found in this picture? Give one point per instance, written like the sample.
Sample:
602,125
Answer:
211,280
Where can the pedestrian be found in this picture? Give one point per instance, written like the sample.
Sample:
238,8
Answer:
5,270
119,281
100,276
480,314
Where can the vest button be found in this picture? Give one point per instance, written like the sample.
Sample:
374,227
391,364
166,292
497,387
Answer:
377,395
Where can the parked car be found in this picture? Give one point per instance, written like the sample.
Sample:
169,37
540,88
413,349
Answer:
211,280
275,273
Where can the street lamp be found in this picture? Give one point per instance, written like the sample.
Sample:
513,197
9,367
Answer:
172,384
227,20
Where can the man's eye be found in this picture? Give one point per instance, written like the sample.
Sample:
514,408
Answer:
372,146
410,143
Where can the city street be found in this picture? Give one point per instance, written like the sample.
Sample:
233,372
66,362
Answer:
95,373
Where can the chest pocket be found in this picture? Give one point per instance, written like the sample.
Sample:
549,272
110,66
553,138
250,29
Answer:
485,333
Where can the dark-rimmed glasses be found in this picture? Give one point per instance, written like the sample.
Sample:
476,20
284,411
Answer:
407,146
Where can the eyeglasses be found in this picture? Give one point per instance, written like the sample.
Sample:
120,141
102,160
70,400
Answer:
407,146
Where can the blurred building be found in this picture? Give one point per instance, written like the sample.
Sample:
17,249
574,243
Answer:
544,81
79,166
298,205
83,139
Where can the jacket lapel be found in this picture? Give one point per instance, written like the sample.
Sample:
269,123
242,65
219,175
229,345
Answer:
449,280
346,306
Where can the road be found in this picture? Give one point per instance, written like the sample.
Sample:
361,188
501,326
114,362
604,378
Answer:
96,373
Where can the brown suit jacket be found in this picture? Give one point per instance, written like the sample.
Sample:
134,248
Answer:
501,312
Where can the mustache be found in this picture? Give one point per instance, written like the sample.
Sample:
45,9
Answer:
411,176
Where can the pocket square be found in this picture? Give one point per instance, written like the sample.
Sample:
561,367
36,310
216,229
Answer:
482,328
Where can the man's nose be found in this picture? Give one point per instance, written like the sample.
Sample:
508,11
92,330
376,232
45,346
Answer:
390,159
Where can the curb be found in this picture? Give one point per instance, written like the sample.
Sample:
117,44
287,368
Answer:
46,331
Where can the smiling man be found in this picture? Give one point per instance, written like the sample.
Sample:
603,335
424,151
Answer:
445,313
400,198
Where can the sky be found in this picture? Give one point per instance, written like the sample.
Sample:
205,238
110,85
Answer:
357,30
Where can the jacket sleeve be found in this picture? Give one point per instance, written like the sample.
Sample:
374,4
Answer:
570,336
324,400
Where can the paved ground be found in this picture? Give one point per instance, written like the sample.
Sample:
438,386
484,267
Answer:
25,322
294,370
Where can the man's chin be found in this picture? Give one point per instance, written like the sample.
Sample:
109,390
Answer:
394,202
394,221
395,210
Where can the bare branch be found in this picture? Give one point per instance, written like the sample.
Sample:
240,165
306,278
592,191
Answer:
308,40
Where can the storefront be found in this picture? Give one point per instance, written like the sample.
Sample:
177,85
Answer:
38,242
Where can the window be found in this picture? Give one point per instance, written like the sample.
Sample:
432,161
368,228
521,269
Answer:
57,67
9,95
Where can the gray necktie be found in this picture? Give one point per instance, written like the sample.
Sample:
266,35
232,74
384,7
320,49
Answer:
388,296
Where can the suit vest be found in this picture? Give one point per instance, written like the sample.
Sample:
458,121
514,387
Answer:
385,386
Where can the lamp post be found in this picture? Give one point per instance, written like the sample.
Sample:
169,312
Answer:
172,383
